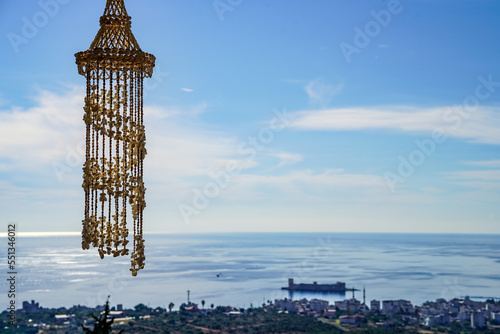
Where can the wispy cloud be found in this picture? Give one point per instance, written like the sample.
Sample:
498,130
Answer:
480,126
487,163
188,90
31,138
481,180
321,93
42,148
304,184
287,159
484,175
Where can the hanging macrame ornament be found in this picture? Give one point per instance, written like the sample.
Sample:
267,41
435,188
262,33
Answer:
115,68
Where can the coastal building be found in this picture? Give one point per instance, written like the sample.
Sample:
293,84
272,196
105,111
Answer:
318,305
454,308
64,318
477,320
364,308
347,319
115,314
495,316
353,305
287,305
31,308
236,313
438,320
388,306
351,319
122,321
489,309
394,306
341,305
192,307
493,308
330,313
445,319
431,321
375,305
315,287
349,305
465,309
464,315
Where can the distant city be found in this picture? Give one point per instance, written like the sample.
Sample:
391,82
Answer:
441,312
455,315
430,314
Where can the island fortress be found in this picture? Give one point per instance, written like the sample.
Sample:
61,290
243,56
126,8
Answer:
337,287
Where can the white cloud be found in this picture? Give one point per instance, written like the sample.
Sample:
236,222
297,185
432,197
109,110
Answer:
188,90
320,93
287,159
485,175
43,148
303,185
480,126
33,138
431,190
486,164
479,180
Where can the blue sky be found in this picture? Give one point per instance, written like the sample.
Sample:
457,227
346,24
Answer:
283,115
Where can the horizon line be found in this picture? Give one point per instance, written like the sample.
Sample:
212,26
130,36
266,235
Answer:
76,233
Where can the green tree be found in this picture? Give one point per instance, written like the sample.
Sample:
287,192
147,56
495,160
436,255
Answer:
171,306
182,308
142,308
212,306
203,303
101,325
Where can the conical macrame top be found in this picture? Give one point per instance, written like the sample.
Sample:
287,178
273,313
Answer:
115,8
115,41
115,31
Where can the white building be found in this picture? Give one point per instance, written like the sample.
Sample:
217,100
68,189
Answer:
432,321
318,305
341,305
330,313
287,305
445,319
394,306
477,320
463,316
375,305
348,319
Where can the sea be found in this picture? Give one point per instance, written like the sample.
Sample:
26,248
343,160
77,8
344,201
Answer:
248,269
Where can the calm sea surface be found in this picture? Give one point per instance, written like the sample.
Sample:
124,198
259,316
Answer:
244,269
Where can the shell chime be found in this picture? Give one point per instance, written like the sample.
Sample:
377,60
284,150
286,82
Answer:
115,68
